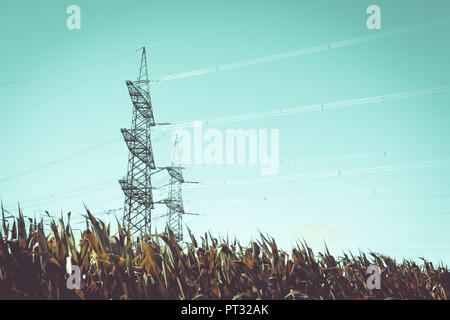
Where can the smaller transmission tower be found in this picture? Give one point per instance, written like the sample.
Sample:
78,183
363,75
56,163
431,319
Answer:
174,202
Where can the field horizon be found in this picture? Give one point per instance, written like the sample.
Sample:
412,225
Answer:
35,265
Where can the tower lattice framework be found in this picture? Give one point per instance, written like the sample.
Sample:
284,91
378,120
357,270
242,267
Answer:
137,185
174,201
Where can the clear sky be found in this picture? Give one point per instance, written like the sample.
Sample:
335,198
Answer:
368,176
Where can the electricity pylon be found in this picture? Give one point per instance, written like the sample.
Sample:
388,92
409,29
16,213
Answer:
174,202
137,185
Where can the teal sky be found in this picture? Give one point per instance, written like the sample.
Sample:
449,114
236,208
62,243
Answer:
402,210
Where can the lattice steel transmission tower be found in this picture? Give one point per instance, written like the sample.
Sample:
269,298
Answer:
137,185
174,202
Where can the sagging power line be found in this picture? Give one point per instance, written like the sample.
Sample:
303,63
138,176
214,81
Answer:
254,116
78,68
231,66
208,184
296,53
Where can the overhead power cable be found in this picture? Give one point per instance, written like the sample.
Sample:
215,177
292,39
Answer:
254,116
152,45
327,174
50,75
227,28
300,52
311,108
59,160
67,157
296,177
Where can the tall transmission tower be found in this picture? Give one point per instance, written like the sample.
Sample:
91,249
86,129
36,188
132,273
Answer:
137,185
174,202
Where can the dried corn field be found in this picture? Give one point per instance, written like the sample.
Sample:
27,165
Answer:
33,266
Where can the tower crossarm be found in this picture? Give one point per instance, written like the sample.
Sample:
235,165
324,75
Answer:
138,148
128,188
174,205
141,195
140,102
175,173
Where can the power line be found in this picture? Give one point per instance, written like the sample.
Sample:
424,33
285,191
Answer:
246,63
68,194
254,116
58,94
69,191
311,108
301,52
67,157
317,175
326,174
50,75
227,28
162,43
317,107
59,160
